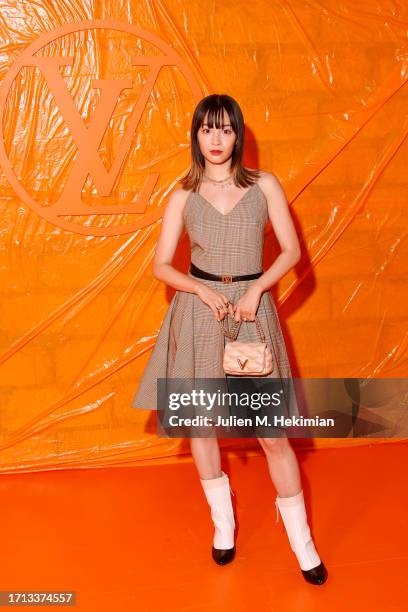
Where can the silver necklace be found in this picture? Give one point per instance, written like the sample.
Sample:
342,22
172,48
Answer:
222,183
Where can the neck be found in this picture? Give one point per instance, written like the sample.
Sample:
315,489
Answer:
218,172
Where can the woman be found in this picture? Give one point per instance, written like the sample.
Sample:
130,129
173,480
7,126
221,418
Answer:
225,207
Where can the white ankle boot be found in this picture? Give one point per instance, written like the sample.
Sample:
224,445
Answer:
218,494
293,513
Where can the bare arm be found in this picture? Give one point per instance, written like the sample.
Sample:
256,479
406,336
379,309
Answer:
284,229
172,228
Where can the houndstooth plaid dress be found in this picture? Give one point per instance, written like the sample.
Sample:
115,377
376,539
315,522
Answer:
190,343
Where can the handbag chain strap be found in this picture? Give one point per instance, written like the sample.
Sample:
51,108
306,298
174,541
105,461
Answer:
232,334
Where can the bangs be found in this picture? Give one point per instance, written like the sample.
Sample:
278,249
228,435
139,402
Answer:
216,115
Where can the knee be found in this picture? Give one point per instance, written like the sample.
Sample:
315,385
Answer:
203,442
274,445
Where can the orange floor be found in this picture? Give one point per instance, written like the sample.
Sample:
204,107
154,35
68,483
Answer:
139,538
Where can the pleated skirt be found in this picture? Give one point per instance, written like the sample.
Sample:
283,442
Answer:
190,343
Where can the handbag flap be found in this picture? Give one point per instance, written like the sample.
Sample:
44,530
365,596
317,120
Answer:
246,355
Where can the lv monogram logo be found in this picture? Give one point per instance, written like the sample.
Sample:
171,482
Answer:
242,365
89,171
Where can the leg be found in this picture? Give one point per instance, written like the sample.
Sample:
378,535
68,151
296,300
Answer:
215,483
206,455
282,464
284,472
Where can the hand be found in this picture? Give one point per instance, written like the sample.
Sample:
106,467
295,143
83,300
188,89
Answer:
218,302
248,304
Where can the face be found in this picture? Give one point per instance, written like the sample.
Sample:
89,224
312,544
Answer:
212,140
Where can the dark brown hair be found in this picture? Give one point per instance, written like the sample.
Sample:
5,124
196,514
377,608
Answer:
215,105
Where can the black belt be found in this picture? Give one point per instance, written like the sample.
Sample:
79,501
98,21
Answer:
224,278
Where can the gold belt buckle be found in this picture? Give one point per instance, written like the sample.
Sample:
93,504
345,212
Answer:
226,278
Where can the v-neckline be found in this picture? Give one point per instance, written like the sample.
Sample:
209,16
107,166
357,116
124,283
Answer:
235,205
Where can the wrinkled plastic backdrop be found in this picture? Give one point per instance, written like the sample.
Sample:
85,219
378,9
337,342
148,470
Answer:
322,89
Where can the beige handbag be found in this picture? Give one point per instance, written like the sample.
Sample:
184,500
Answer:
246,358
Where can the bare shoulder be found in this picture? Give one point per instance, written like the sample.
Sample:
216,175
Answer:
176,201
180,194
274,194
269,183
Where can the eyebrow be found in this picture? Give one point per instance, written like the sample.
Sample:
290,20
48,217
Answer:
224,125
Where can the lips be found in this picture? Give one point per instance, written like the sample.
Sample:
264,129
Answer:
215,151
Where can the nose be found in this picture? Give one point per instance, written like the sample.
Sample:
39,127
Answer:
215,137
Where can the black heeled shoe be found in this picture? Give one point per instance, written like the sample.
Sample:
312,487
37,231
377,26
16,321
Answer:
218,494
316,575
294,516
223,556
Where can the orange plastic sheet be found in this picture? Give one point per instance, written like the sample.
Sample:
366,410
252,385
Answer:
96,104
